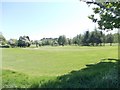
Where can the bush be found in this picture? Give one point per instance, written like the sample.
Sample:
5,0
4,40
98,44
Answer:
4,46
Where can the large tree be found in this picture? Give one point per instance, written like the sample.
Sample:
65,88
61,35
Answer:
92,38
109,14
77,39
86,37
115,37
2,40
36,43
24,41
62,40
13,42
98,36
109,39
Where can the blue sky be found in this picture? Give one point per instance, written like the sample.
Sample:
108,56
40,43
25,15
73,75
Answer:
45,19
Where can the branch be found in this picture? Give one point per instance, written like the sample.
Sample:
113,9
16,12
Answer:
102,6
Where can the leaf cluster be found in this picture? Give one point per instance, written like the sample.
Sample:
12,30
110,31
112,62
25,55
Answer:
109,14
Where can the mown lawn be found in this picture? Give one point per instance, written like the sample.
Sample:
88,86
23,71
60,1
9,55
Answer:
30,67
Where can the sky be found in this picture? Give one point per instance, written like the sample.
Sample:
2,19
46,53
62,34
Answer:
44,18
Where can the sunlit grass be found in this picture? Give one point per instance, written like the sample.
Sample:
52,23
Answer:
46,63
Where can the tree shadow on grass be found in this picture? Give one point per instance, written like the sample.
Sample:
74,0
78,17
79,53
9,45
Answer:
100,75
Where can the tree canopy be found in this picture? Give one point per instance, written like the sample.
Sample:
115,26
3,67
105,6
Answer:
24,41
13,42
62,40
109,14
2,40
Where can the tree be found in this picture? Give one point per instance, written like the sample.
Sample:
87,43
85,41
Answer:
98,37
110,39
69,41
77,39
32,42
62,40
46,41
36,43
115,37
24,41
55,42
103,39
2,40
92,38
109,14
13,42
85,40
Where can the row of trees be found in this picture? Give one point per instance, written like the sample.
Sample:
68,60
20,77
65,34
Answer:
106,14
23,41
93,38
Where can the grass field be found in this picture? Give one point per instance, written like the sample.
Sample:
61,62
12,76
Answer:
28,67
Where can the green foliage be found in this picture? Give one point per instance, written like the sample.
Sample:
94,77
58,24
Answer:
77,40
62,40
92,38
96,37
5,46
2,40
69,41
109,16
13,42
48,41
37,42
24,41
115,36
109,39
85,40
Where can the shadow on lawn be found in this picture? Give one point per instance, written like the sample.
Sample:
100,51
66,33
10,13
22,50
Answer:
100,75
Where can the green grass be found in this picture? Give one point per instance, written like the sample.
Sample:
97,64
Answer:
49,63
14,79
100,75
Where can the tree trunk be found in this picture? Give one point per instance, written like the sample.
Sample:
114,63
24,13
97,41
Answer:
110,44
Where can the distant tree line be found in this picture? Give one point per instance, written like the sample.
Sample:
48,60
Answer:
93,38
24,41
